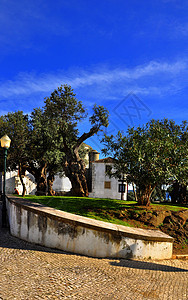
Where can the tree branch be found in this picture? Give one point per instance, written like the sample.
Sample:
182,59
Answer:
86,135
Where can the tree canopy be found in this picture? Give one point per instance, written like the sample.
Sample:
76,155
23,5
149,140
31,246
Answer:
48,141
151,155
65,111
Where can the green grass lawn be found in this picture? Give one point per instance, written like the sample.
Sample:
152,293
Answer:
107,210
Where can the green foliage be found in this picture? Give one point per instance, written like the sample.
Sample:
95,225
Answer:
16,126
49,141
150,155
64,111
44,143
99,117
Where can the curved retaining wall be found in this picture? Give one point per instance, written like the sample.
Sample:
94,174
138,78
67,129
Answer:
52,228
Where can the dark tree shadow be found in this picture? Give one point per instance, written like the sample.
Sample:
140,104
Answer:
143,265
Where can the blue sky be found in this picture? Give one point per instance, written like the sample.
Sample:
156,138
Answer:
130,56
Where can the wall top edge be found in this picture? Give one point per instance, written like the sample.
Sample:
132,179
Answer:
135,233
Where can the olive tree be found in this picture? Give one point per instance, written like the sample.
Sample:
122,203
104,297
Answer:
150,155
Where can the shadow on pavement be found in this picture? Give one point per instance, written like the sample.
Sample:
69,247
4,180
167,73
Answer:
135,264
8,241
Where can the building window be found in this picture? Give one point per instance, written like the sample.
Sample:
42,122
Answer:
108,168
107,184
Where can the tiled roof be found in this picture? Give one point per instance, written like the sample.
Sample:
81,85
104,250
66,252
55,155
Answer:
105,160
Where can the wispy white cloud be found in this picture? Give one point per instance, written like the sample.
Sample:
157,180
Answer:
154,78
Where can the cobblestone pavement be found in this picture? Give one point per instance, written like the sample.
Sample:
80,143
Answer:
29,271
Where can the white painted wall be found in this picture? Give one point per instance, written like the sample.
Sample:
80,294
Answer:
61,184
10,181
98,180
13,181
68,232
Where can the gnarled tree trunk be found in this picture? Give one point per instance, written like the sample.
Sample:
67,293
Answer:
144,195
42,181
79,185
50,181
40,177
76,173
21,175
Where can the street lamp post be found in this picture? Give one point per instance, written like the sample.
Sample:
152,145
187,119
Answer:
122,187
5,143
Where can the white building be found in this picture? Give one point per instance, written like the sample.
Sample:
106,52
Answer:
99,184
102,185
61,183
13,181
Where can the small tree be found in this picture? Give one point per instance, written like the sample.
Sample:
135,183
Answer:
150,155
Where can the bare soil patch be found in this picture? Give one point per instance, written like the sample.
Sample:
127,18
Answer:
173,223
